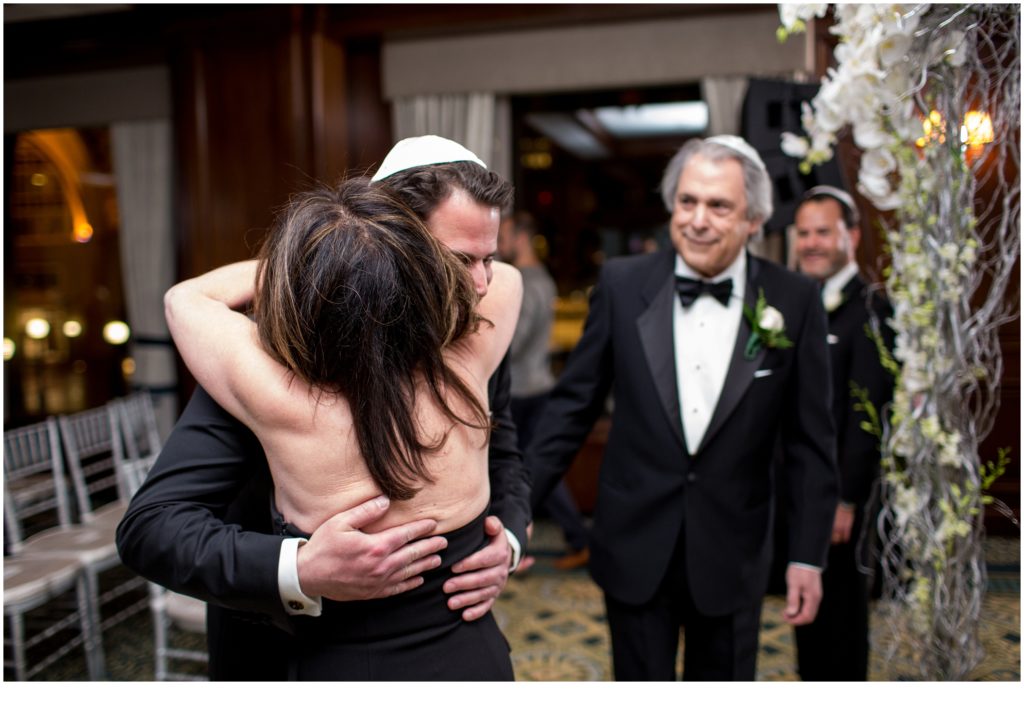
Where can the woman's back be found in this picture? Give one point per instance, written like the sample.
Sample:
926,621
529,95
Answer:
368,370
317,463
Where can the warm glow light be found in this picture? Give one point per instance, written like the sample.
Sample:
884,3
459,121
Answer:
72,328
83,232
976,129
934,127
9,348
37,328
38,179
116,332
536,160
128,367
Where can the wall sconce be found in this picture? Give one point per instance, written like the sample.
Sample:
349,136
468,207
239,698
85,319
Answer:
976,129
116,332
72,328
37,328
9,348
83,232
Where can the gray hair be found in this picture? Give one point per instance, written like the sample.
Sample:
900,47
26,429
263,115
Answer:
756,183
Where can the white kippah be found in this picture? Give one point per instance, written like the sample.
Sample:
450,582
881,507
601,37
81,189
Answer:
833,192
419,151
738,145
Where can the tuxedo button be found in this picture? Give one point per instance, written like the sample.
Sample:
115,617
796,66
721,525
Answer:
691,477
295,605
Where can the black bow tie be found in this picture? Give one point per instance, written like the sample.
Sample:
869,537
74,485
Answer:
690,289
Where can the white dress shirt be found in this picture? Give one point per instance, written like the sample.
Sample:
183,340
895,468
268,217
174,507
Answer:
704,335
833,287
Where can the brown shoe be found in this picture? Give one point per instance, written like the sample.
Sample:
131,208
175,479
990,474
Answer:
574,560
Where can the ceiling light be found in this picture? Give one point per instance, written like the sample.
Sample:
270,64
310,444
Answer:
656,119
568,133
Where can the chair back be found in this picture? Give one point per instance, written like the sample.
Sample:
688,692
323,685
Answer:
95,455
139,426
35,492
141,437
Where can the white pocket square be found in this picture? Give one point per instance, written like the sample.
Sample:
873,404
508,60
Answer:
832,339
762,373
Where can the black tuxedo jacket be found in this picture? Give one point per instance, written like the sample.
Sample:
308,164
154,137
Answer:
200,524
854,358
651,491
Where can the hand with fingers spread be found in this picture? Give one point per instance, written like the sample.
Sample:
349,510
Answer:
481,577
341,562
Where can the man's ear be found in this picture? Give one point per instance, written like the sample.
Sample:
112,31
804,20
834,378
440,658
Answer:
854,239
755,226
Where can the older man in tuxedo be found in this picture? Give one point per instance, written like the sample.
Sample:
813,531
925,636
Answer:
712,356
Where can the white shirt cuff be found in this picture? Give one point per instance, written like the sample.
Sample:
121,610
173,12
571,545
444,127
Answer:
805,566
295,602
517,549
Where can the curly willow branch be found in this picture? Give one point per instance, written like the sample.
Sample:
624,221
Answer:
953,250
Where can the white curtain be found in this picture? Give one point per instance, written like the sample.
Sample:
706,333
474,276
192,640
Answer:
479,121
143,171
724,97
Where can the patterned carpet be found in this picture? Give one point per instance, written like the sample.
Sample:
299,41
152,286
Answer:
555,623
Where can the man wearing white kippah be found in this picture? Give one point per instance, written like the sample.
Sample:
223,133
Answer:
713,357
835,646
201,523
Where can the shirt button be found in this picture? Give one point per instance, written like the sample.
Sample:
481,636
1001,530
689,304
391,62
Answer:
295,605
691,477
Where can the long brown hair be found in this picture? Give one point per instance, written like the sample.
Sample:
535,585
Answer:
356,297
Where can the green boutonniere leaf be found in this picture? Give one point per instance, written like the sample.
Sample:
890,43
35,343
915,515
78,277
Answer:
767,326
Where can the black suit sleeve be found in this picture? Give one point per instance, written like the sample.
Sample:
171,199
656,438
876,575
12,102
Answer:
577,399
809,443
199,524
510,481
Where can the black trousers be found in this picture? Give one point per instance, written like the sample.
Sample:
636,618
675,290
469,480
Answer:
645,638
244,650
835,646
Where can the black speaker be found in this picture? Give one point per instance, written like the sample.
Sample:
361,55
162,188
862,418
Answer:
770,108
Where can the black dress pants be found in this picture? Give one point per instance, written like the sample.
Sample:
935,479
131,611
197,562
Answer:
835,646
645,638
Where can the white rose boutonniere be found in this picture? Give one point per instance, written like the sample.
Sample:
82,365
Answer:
767,327
833,298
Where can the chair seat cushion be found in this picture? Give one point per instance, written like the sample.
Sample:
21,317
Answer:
28,578
87,543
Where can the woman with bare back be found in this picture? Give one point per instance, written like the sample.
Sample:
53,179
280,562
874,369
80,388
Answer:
364,372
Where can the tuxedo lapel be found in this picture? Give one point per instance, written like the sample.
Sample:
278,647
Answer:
741,370
851,292
654,327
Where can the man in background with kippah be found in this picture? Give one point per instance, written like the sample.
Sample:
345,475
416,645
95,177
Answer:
201,525
835,646
711,356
